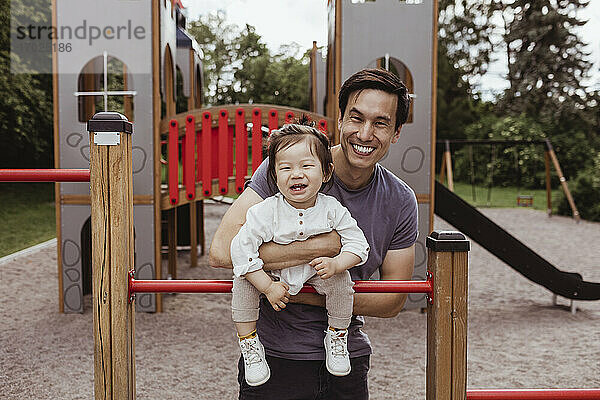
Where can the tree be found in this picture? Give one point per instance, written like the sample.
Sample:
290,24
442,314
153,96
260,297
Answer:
547,61
25,105
239,68
465,49
216,39
465,35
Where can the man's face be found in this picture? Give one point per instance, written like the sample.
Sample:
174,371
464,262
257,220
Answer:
367,129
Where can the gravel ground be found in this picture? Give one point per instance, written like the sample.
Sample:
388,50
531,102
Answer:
516,337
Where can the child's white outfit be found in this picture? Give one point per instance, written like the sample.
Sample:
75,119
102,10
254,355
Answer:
274,219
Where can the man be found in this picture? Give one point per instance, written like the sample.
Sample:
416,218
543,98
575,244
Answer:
373,106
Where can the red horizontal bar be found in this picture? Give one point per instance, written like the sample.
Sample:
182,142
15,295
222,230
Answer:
222,286
533,394
44,175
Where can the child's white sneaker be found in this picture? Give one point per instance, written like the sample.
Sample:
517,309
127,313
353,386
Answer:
256,369
337,359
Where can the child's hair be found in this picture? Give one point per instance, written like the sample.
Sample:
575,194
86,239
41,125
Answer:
290,134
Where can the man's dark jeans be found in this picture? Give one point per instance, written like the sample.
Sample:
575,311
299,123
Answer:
307,380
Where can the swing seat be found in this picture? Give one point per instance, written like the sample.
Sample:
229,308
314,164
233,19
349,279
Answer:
525,200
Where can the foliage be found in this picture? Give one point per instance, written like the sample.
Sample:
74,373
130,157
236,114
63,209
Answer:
586,192
456,107
502,165
465,31
239,68
464,52
25,108
547,63
546,59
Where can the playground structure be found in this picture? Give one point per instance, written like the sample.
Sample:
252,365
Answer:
114,287
138,77
113,314
502,244
522,200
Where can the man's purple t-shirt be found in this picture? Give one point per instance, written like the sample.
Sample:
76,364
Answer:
386,211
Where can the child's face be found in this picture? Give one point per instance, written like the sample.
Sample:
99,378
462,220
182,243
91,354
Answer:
299,174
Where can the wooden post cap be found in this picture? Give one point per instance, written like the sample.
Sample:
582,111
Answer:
447,241
109,121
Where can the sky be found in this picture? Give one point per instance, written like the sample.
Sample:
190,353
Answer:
285,21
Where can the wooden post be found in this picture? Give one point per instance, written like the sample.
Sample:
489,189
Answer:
313,77
563,180
548,183
443,169
200,224
447,316
112,255
172,241
193,235
447,167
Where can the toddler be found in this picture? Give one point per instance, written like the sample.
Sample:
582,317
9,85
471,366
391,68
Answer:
300,163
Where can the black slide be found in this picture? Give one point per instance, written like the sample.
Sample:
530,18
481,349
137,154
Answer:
509,249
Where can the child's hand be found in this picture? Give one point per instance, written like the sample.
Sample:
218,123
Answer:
326,267
277,294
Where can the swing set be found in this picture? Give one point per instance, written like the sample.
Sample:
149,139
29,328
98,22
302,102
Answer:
523,200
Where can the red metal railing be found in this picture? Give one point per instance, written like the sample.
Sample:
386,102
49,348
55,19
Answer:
189,158
209,151
224,286
241,150
173,158
273,120
44,175
224,152
206,154
534,394
256,138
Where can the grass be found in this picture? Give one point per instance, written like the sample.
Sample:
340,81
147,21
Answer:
27,215
505,197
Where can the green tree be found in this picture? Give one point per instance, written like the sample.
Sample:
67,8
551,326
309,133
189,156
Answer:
465,35
546,59
25,104
216,39
239,68
456,106
547,65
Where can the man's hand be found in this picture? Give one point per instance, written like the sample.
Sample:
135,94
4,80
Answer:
278,295
326,267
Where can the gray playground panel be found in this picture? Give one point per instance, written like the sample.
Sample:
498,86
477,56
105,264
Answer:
404,31
136,54
71,251
321,67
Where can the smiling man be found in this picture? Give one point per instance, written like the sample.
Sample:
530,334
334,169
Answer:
373,104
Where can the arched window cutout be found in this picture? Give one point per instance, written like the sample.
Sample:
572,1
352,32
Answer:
168,99
104,84
399,69
181,102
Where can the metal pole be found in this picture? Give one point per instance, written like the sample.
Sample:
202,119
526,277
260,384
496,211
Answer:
534,394
224,286
44,175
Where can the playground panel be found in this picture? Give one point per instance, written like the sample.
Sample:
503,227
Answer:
403,41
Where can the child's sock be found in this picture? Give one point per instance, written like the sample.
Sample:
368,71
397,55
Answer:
248,336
